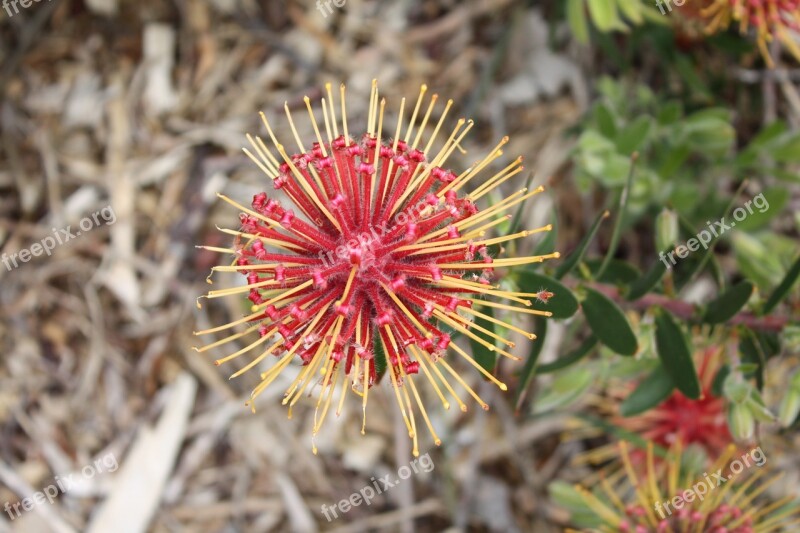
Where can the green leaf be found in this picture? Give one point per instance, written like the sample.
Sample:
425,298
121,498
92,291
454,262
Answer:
527,372
576,16
634,135
675,355
719,380
727,304
571,358
609,323
380,356
632,10
483,355
653,390
566,389
648,281
604,15
621,208
772,202
575,257
783,288
562,304
606,124
618,272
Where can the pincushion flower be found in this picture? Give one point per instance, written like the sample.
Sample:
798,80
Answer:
380,256
701,422
680,497
771,19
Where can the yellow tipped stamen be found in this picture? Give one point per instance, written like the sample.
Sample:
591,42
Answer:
314,124
492,182
244,209
373,102
260,340
598,507
344,115
242,320
472,325
422,90
217,249
265,240
414,439
422,410
390,167
322,354
364,398
328,90
424,123
510,308
328,371
257,360
259,163
405,310
292,127
476,169
438,126
449,281
480,369
395,386
498,322
226,340
283,295
432,381
307,188
475,197
422,174
463,383
423,355
466,331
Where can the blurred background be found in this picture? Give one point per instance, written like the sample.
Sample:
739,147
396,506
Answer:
121,120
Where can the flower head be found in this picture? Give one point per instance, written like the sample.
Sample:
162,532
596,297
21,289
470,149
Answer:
701,422
770,18
680,497
380,257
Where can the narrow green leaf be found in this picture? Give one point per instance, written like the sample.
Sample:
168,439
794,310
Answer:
483,355
653,390
621,208
648,281
566,389
633,135
609,323
527,372
618,272
719,380
726,305
675,355
632,10
571,358
576,16
604,15
606,123
380,356
562,304
575,257
783,288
